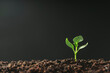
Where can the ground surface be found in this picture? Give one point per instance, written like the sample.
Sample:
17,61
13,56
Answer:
56,66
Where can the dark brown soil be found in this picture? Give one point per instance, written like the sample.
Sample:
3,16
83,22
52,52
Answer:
56,66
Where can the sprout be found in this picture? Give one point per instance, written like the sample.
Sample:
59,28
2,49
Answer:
76,41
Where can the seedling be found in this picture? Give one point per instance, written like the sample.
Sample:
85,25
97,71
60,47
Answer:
76,41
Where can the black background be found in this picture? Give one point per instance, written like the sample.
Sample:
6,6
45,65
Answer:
37,30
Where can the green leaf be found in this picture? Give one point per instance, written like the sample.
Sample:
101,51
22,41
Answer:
69,44
78,39
83,46
75,44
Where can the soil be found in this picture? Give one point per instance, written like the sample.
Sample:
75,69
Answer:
56,66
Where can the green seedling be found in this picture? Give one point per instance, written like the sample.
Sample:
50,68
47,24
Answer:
74,46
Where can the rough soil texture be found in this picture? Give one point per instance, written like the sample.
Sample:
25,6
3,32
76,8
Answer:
56,66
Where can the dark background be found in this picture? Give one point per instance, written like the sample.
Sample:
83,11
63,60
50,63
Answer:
37,30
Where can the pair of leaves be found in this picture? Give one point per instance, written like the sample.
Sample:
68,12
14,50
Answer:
76,40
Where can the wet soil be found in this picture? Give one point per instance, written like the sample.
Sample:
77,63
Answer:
56,66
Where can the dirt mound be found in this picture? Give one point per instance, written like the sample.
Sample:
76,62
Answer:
56,66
